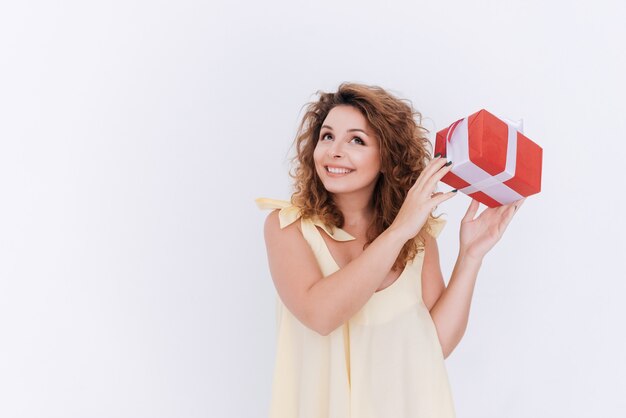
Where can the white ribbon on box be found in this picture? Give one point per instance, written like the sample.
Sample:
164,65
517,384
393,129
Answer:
457,151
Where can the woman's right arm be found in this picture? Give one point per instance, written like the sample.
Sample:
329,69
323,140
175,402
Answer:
324,303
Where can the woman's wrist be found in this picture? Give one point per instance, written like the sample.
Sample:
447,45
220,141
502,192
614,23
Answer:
395,235
465,256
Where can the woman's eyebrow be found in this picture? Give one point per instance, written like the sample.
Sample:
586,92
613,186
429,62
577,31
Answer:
349,130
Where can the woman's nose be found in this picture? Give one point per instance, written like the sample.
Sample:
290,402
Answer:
335,150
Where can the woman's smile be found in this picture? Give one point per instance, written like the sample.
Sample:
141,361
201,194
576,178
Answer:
337,172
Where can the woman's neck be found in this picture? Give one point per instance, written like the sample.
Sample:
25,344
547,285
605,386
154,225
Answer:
357,214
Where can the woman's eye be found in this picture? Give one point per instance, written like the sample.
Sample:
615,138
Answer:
356,137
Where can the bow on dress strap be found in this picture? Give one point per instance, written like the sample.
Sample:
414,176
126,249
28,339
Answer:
289,213
436,225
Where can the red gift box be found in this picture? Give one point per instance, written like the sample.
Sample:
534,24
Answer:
493,162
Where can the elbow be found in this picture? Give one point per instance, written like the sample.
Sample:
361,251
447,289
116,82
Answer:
323,332
323,326
330,327
320,319
327,330
316,322
447,349
445,352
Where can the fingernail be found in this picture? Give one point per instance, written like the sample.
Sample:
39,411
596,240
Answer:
438,155
447,164
455,190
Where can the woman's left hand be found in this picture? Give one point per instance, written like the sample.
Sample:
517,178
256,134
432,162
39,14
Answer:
479,235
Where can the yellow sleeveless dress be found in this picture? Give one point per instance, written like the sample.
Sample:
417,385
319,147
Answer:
385,362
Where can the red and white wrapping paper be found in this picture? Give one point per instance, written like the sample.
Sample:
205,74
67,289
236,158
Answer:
493,162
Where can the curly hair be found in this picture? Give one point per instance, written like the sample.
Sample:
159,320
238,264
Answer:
404,152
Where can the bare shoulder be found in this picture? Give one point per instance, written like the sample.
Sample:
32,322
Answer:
272,223
293,267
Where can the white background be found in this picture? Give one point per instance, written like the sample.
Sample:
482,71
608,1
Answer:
135,135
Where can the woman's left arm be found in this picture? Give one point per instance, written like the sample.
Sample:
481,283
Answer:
477,236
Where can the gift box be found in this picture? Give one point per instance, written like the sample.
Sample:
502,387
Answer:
493,161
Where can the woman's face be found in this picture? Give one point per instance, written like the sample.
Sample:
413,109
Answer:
347,141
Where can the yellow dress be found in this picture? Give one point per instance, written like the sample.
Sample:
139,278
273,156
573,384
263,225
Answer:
385,362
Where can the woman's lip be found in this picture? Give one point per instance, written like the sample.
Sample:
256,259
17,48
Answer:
341,168
336,174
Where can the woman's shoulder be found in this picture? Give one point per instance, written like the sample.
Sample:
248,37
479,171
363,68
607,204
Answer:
288,213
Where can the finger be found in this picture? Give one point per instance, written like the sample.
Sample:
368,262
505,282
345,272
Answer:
512,210
503,208
506,220
430,183
471,211
430,168
442,197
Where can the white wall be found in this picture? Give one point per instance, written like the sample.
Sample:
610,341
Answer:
135,135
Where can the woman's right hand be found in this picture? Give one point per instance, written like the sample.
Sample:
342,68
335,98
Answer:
421,200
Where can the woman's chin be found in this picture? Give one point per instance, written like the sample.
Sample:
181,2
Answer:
335,189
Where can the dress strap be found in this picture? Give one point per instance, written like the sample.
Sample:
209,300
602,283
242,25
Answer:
289,213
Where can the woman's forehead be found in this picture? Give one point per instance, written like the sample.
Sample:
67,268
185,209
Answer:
346,118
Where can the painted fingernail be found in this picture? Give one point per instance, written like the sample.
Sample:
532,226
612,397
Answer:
455,190
447,164
438,155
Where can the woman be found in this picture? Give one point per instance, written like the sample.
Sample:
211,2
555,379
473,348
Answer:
364,319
